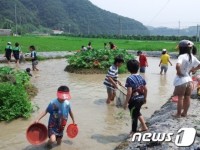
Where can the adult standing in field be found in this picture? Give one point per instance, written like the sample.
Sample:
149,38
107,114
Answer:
143,61
8,51
16,52
164,60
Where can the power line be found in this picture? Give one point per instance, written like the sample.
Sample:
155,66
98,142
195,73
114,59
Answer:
158,13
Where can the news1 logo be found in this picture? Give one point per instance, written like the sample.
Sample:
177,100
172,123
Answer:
184,137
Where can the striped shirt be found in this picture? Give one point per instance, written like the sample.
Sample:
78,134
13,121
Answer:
113,73
136,82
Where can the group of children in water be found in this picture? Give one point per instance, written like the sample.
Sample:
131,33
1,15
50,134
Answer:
136,92
136,84
59,108
18,55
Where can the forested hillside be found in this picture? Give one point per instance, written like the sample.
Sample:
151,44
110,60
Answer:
72,16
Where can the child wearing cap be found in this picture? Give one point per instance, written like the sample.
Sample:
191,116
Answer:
8,51
183,82
58,109
164,60
111,80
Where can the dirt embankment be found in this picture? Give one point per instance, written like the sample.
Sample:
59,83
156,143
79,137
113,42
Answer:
162,121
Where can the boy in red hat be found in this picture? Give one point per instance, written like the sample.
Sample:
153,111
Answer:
58,109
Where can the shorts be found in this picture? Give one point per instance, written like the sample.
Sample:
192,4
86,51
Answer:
52,132
142,69
183,89
164,67
35,62
110,90
8,54
16,55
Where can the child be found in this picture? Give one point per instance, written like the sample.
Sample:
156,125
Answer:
59,109
8,51
111,79
83,48
89,47
183,82
16,52
112,46
34,58
136,95
164,60
143,61
28,70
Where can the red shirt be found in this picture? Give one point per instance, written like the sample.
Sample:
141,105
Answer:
143,60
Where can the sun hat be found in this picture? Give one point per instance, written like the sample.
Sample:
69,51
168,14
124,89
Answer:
185,43
63,95
9,43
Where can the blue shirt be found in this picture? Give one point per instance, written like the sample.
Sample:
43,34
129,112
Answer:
136,82
58,115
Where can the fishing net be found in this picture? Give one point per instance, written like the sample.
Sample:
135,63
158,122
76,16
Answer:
120,96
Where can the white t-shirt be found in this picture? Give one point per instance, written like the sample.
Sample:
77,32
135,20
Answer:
185,67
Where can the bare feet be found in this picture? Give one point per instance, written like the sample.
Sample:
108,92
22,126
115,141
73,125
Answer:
108,101
183,115
176,116
142,129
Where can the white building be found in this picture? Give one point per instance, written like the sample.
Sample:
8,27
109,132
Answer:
57,32
4,32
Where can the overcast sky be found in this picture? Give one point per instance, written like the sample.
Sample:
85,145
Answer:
156,13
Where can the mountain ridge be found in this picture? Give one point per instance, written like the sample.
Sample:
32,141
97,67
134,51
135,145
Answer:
72,16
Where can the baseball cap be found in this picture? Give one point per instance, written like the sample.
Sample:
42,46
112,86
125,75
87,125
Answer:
63,93
185,43
9,43
164,50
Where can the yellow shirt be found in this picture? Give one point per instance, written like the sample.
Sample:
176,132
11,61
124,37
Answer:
165,59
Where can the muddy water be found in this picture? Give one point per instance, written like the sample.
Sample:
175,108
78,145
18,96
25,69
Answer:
101,126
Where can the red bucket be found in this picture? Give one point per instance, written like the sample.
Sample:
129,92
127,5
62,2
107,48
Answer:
174,99
36,133
72,130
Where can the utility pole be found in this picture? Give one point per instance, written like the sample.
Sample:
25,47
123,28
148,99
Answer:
15,19
120,27
197,36
69,28
179,27
88,29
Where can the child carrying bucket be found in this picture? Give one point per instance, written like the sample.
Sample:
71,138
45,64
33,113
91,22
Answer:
58,109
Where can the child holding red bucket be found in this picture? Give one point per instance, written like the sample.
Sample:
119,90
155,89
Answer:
58,109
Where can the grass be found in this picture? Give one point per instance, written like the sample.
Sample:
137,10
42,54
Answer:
62,43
